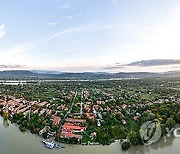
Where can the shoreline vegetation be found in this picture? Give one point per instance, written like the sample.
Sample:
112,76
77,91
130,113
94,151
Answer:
98,112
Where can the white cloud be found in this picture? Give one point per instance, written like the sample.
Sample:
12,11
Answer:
22,52
2,30
69,17
82,28
9,66
16,54
92,27
113,1
65,6
52,23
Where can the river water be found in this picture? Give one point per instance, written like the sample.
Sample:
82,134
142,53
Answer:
12,141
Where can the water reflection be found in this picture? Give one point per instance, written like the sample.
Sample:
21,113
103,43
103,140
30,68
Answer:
163,143
5,123
28,143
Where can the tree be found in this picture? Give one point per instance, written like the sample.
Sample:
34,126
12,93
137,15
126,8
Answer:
134,138
170,123
119,116
5,114
22,129
58,136
177,117
125,145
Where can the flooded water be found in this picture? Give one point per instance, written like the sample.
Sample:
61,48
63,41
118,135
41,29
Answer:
23,82
12,141
13,82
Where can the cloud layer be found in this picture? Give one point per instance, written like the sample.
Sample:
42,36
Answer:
65,6
2,66
146,63
154,62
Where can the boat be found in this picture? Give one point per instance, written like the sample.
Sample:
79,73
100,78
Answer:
58,146
48,144
51,144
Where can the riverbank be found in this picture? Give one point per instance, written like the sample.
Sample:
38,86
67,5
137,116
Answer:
14,142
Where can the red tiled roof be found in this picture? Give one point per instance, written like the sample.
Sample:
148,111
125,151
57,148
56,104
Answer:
56,120
89,116
108,108
136,117
73,127
75,120
65,134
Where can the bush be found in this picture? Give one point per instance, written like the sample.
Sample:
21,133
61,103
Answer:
125,145
22,129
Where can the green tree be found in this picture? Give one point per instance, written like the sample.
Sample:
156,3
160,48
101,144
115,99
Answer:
177,117
134,138
125,145
170,123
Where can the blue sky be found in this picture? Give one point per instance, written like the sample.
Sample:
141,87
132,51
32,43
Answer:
89,35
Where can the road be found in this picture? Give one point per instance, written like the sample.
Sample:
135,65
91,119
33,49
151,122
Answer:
68,112
81,109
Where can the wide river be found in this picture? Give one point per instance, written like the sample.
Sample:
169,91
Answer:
12,141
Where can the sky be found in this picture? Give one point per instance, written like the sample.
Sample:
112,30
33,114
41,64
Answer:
90,35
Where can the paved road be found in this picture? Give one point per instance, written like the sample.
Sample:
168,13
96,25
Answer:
68,112
81,109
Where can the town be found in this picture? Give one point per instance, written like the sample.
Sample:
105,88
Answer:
91,112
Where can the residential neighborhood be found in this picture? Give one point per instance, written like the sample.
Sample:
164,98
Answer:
97,113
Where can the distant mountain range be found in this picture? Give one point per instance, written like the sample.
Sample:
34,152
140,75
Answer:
34,74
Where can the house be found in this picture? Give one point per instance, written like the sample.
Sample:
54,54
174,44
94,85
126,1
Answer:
90,116
36,111
96,107
98,123
87,108
73,128
124,106
45,129
72,120
108,108
136,117
42,104
55,120
69,135
124,122
93,135
42,111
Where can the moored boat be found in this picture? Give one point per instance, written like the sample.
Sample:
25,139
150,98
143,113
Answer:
51,144
48,144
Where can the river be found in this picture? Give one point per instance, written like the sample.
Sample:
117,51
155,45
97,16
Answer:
12,141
